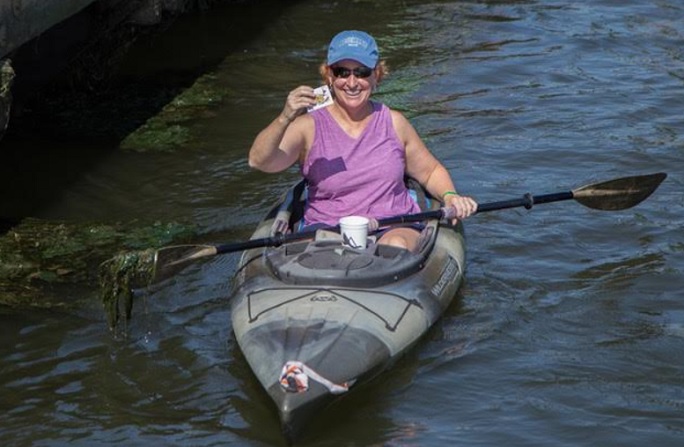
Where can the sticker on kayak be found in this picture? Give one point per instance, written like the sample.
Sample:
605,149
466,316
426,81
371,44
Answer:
449,272
294,378
323,98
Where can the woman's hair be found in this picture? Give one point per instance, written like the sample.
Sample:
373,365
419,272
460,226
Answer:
382,69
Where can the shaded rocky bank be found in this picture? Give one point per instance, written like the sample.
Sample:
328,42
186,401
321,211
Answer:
95,97
77,61
40,40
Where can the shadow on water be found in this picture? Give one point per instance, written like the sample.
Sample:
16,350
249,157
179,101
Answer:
61,128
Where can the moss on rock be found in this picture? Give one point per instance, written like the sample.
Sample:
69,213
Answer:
169,129
56,265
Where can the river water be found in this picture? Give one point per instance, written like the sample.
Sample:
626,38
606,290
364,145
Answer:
569,329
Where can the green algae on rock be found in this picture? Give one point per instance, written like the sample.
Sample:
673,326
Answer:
55,264
167,131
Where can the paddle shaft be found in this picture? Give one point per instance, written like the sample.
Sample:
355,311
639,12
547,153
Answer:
527,201
272,241
280,239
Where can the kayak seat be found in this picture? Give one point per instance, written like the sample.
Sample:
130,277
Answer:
289,216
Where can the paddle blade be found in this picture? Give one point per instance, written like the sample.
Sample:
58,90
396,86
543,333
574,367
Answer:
618,194
171,260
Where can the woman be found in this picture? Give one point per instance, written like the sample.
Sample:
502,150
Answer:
355,152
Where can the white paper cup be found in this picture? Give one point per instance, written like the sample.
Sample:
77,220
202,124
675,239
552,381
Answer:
354,231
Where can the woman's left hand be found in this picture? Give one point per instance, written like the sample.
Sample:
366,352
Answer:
463,205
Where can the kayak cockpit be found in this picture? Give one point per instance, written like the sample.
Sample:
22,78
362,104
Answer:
328,261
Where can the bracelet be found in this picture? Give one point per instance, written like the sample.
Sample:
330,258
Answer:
449,193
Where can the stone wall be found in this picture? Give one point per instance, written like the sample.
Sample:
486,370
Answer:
25,21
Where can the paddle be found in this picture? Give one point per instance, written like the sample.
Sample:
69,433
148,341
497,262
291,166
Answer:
613,195
617,194
119,274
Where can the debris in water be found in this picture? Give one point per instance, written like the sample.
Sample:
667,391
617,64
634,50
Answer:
119,276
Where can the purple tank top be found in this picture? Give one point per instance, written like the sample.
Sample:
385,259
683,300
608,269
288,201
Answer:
356,176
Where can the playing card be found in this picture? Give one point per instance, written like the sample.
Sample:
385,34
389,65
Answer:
323,98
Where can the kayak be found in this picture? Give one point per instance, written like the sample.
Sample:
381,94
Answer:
316,319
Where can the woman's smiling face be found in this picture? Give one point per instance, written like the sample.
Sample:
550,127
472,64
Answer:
352,82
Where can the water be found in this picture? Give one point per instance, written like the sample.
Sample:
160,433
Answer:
569,326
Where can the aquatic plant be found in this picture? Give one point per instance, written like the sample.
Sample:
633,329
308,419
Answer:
118,277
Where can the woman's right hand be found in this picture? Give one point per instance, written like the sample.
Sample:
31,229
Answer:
297,102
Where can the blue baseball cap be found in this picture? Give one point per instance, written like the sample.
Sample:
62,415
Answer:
355,45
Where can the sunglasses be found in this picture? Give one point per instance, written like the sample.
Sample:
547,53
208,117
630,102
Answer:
359,72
